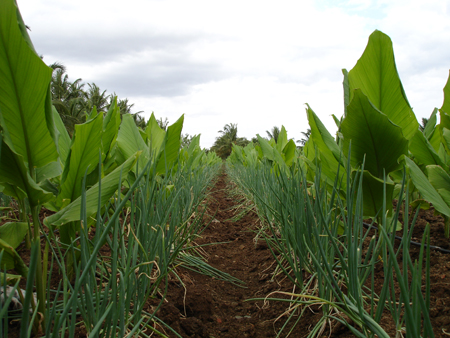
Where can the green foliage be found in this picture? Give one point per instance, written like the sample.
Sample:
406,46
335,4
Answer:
80,173
375,74
224,143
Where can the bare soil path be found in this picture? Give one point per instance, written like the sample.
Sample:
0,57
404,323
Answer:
214,308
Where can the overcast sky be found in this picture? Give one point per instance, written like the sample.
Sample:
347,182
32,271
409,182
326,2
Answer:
254,63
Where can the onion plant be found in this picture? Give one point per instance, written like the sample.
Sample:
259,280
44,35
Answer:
331,258
145,230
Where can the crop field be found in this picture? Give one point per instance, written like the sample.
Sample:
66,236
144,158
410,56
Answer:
115,228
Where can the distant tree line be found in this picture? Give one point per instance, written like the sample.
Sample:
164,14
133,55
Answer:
228,136
74,100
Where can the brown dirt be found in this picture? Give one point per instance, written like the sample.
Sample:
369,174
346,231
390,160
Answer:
207,307
211,308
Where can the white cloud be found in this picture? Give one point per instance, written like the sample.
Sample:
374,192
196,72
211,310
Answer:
249,62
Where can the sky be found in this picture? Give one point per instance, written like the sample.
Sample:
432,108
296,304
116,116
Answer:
253,63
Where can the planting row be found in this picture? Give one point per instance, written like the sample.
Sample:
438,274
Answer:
111,186
313,202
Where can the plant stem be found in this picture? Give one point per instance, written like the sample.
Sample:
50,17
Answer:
40,290
24,218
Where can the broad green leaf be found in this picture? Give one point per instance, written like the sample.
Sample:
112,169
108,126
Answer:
445,121
446,140
260,152
376,75
322,147
171,147
238,153
279,161
16,179
251,154
109,185
195,142
424,205
155,134
446,104
373,194
282,139
266,148
336,120
12,260
111,124
374,139
24,83
289,152
129,141
83,155
435,139
13,233
63,138
426,189
440,180
48,171
422,150
143,135
431,124
322,139
346,86
308,150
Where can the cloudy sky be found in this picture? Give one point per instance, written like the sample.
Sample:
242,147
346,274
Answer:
254,63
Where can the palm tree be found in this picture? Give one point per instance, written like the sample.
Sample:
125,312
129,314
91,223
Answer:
224,143
274,133
67,97
307,134
95,97
73,103
163,124
125,108
424,124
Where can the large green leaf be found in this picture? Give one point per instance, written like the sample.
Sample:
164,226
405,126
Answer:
11,259
282,139
435,139
266,148
373,195
109,185
445,120
171,147
111,124
24,83
423,151
13,233
426,189
129,141
322,147
346,87
63,138
446,104
431,124
440,180
16,179
155,134
83,155
445,140
374,138
376,75
289,152
322,139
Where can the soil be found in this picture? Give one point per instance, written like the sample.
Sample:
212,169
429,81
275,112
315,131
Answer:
204,307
